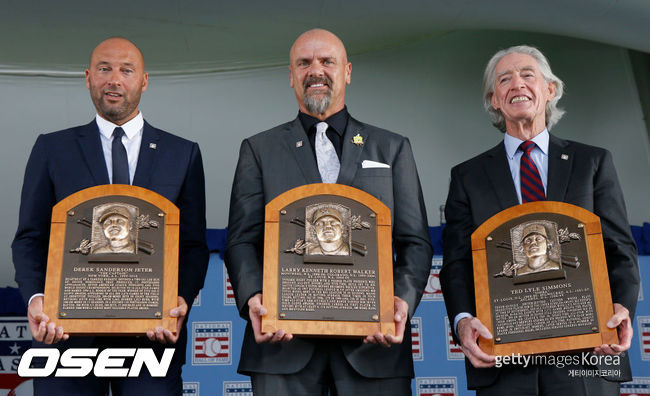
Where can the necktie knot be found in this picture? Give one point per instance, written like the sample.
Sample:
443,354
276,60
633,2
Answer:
321,128
527,146
118,133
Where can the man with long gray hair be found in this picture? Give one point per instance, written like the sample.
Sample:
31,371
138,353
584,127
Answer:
521,93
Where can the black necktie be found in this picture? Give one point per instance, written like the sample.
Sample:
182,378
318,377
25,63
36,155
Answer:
120,161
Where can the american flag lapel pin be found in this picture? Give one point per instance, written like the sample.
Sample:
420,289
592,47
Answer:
152,146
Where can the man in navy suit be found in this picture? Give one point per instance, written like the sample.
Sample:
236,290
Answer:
521,93
64,162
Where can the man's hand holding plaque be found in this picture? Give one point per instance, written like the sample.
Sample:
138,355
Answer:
401,314
39,323
256,310
165,336
623,324
469,329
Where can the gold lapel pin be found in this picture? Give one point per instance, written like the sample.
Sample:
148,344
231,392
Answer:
358,140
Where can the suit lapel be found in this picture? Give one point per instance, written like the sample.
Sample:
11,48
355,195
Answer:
560,161
147,156
498,171
351,153
91,146
298,144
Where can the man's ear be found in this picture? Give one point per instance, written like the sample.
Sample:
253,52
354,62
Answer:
494,102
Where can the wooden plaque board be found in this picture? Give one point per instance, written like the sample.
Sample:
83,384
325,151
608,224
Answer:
289,219
577,294
82,263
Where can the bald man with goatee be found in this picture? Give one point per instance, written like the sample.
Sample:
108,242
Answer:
116,147
325,144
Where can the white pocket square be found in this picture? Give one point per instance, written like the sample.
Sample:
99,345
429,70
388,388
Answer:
373,164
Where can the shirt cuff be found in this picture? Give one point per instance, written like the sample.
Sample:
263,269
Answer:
32,297
458,318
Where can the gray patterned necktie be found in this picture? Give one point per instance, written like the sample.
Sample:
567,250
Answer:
328,161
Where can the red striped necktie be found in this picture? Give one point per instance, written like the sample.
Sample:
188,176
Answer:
532,188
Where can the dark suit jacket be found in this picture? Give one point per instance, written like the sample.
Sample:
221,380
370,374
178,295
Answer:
64,162
483,186
270,163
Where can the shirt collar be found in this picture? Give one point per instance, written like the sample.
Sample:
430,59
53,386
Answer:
337,121
512,143
131,128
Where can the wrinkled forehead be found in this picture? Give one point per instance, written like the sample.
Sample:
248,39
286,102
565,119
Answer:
515,62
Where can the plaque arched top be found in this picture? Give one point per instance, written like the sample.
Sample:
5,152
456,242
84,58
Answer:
171,211
591,221
273,208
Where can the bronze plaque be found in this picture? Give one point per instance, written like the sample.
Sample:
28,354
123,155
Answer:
328,267
113,261
541,279
328,263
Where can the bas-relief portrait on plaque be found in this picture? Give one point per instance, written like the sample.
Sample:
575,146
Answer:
114,229
327,230
538,243
537,252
